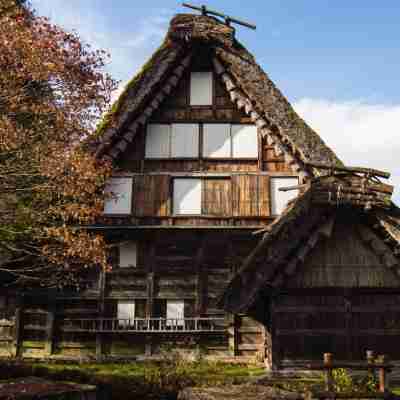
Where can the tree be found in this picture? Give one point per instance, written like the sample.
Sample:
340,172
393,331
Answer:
52,91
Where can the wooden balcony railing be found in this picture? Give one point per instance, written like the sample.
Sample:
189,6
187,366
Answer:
144,325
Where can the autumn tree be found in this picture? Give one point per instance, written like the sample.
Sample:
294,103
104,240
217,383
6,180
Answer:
53,89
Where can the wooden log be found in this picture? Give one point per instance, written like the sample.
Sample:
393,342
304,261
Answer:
186,60
369,171
218,67
241,103
261,123
234,95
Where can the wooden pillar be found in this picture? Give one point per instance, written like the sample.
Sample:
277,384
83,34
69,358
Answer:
200,279
151,267
18,328
275,360
101,309
232,332
50,327
328,359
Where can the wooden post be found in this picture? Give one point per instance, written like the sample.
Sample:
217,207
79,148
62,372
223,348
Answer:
382,374
328,357
50,324
100,309
18,328
232,334
200,279
151,267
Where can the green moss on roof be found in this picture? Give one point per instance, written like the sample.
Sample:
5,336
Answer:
116,108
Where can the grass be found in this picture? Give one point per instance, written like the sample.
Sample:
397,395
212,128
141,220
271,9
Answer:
139,380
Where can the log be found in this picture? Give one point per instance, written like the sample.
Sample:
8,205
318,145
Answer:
369,171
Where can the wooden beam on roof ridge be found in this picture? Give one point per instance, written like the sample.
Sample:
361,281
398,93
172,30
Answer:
368,171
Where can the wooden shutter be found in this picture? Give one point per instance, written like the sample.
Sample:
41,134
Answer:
250,195
152,194
217,197
264,196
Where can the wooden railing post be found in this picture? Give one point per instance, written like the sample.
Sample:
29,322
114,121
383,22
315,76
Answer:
382,374
18,327
49,346
328,358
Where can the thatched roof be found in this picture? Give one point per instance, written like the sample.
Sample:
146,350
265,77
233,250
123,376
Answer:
289,239
249,86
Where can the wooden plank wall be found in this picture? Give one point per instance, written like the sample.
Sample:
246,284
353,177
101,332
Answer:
193,267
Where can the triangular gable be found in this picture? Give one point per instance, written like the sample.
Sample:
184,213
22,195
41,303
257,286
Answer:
351,256
249,87
288,242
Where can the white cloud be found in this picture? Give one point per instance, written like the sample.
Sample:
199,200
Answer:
361,134
129,50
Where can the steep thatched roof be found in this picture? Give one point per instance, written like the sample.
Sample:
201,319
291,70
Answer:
289,239
250,87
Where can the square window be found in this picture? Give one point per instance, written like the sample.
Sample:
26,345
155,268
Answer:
187,196
185,140
158,141
119,196
244,141
175,313
125,313
279,200
217,140
201,88
128,254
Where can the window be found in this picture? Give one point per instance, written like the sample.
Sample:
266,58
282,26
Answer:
176,140
128,254
119,196
201,88
227,141
217,140
279,199
185,140
187,196
158,139
244,141
175,313
125,312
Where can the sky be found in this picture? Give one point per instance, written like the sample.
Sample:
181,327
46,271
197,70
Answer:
337,61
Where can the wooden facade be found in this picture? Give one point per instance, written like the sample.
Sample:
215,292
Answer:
206,252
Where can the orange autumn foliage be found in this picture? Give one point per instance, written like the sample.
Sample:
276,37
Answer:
53,89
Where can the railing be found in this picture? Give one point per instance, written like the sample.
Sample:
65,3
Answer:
372,364
144,325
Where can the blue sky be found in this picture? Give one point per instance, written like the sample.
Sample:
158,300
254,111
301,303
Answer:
337,61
